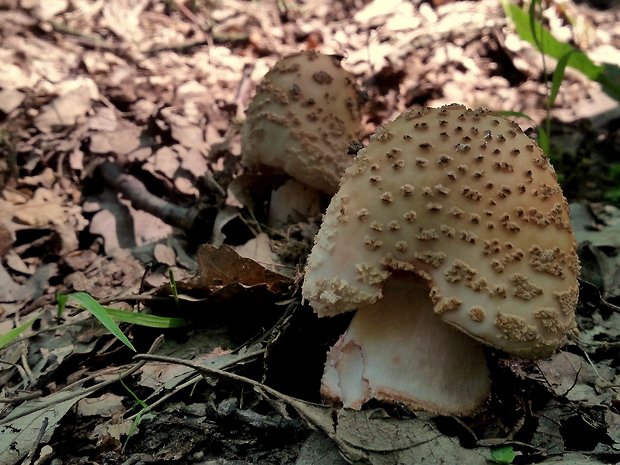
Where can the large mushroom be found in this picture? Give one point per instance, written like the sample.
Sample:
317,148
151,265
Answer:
305,113
448,232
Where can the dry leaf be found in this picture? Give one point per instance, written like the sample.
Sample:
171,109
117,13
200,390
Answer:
17,436
64,110
10,99
220,267
164,254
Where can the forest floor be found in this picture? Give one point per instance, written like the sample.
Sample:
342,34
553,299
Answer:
104,101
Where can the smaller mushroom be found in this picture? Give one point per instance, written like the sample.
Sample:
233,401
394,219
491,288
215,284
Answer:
305,113
448,232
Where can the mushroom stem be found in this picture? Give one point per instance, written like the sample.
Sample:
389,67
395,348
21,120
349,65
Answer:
399,350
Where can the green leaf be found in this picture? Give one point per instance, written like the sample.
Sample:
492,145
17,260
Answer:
87,302
532,24
533,31
610,80
544,140
558,77
144,319
61,300
11,335
503,454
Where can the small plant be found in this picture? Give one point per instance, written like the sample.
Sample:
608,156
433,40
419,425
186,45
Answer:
108,315
533,31
87,302
11,336
505,454
144,408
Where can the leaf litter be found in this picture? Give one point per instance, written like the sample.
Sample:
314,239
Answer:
105,106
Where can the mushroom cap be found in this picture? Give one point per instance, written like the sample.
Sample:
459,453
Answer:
305,113
464,199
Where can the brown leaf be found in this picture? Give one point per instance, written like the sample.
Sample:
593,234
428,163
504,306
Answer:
221,267
10,99
64,110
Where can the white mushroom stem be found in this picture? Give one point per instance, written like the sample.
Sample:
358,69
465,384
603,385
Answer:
399,350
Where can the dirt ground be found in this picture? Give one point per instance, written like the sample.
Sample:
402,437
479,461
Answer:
121,178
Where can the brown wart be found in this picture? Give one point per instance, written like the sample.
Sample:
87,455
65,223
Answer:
567,300
515,328
523,288
550,319
477,313
459,271
431,257
448,305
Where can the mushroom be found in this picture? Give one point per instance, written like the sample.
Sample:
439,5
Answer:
449,231
305,113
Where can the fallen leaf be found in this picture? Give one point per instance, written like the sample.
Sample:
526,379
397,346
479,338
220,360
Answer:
10,99
18,435
164,254
47,10
165,161
123,18
572,376
220,267
64,110
107,405
372,437
121,141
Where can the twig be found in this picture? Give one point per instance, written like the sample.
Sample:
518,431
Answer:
85,391
195,379
206,369
88,390
259,387
179,48
140,198
87,40
591,290
186,12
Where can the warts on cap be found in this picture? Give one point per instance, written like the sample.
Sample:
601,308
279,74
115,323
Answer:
304,115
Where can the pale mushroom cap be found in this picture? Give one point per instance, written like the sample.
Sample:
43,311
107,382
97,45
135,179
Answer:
302,119
466,200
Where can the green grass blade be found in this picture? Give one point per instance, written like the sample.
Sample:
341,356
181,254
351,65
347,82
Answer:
533,23
11,335
173,286
87,302
144,319
544,141
61,303
558,77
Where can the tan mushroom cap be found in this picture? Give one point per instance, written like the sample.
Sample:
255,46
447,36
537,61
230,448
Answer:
466,200
302,119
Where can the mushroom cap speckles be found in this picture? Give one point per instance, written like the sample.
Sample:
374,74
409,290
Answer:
305,113
490,234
